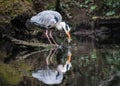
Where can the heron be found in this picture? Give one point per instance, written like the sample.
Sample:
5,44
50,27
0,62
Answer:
51,19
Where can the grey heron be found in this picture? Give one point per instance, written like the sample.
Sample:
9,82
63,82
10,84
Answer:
51,19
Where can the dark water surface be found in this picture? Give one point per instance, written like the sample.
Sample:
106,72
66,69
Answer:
95,61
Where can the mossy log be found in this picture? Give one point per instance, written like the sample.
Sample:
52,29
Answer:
33,44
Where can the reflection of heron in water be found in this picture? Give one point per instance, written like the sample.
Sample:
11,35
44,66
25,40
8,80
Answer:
48,76
53,76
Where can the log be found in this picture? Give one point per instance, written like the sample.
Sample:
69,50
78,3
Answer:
21,42
29,54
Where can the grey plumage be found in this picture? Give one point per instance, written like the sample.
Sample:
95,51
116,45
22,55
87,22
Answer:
47,18
48,76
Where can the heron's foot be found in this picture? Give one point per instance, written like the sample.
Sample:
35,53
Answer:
57,45
51,62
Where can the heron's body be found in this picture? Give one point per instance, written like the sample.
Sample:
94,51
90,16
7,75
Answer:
48,76
47,19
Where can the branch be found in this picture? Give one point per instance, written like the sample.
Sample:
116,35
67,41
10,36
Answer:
29,54
17,41
106,18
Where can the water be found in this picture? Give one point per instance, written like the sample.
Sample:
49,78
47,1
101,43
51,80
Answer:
89,60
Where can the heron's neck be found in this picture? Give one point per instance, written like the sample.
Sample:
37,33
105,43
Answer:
62,68
60,25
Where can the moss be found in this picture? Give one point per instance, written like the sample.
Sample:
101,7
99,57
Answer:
8,74
13,74
9,9
50,6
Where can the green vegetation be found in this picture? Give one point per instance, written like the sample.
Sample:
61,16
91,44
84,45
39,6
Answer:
50,6
10,9
109,7
113,58
9,75
13,74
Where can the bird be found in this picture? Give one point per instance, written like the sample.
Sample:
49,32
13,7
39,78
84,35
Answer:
51,19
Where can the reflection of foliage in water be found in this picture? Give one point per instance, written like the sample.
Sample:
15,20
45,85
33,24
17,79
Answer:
99,67
113,58
12,74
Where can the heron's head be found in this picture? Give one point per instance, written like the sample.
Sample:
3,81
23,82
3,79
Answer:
66,28
64,68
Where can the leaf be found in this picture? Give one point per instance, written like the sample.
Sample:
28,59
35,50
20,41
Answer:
87,1
83,6
93,7
110,13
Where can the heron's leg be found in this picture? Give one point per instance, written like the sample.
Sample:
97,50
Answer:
49,55
53,54
53,38
48,37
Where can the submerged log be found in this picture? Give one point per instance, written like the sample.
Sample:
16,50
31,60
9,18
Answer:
21,42
19,57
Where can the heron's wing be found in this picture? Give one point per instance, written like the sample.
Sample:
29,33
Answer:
48,76
50,12
47,18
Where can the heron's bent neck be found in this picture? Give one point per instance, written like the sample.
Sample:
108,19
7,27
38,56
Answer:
61,68
60,25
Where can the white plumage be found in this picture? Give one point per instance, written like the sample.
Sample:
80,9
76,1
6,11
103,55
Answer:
49,19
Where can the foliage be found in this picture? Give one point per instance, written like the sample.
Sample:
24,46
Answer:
50,6
10,9
89,4
113,58
111,7
11,74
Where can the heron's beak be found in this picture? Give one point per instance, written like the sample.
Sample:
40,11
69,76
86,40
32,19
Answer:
69,37
69,59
